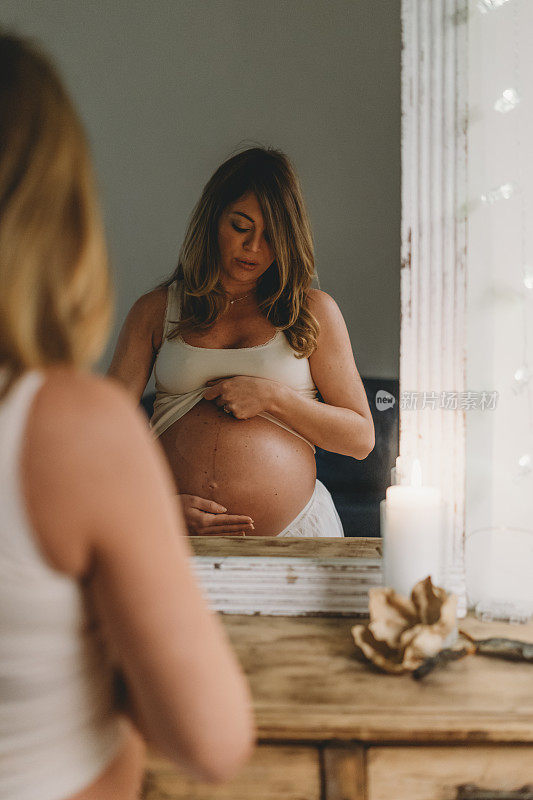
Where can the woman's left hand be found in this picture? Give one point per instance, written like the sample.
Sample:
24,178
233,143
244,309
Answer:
242,396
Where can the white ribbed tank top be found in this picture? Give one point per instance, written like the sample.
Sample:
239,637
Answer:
57,728
181,370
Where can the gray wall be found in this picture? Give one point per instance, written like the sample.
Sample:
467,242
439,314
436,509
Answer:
169,88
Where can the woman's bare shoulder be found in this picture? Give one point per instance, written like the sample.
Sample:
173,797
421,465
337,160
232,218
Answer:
70,397
320,302
148,314
81,426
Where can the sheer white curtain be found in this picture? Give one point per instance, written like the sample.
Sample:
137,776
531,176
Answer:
499,455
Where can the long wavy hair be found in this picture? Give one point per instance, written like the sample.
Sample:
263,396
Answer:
56,297
282,290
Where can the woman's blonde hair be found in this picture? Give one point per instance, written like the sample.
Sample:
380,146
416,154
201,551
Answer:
56,298
283,289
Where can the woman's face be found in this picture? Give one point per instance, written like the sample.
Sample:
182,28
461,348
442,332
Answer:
244,245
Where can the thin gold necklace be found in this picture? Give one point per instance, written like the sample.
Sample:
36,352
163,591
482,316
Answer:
239,298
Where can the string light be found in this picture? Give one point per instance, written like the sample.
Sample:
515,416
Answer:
505,539
507,102
503,192
525,462
490,5
522,375
525,468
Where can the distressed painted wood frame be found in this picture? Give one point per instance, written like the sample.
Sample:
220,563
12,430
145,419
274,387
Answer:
288,577
433,269
302,577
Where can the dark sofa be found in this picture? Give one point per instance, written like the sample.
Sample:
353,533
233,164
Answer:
357,487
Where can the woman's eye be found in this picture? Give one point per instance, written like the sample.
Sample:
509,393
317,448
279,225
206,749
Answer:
247,230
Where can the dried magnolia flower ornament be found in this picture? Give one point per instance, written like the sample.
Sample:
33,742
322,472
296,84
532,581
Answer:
413,635
403,633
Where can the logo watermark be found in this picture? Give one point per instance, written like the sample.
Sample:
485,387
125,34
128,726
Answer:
384,400
448,400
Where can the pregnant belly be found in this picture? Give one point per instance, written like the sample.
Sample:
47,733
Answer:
250,466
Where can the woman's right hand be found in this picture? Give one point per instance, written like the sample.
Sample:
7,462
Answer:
205,517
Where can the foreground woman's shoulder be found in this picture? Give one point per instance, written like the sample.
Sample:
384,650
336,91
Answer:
81,431
71,395
79,413
78,418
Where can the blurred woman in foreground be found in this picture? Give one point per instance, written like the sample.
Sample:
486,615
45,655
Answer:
93,553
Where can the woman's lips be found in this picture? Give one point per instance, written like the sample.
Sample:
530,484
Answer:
247,264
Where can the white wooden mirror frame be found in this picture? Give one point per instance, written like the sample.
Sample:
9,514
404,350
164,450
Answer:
434,252
314,576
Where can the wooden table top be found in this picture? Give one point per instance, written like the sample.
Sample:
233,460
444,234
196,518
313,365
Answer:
308,685
265,546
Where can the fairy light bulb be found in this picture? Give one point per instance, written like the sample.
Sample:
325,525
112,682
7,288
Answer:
521,377
485,6
508,101
503,192
525,464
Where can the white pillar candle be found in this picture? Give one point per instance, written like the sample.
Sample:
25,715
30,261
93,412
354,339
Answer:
412,521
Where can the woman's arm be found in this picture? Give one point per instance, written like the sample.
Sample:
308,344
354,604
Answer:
343,423
138,342
100,496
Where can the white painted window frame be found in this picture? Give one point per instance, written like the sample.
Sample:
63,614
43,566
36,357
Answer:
434,252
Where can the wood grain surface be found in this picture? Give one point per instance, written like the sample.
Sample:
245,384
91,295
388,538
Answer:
287,577
273,773
309,685
219,546
344,773
322,715
434,773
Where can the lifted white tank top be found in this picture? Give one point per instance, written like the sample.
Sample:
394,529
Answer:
182,370
58,730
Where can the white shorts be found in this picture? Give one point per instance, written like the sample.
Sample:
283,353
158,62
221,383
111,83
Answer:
318,518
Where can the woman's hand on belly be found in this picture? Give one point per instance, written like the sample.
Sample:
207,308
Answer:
242,395
250,466
205,517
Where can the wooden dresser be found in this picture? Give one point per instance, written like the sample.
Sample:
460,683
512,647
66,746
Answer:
332,728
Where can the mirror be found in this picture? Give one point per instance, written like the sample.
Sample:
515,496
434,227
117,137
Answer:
168,93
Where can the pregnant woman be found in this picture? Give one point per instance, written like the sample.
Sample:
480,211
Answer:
240,345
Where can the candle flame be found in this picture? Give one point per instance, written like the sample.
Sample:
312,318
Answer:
416,474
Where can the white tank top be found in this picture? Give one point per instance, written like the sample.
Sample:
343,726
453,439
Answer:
182,370
57,728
